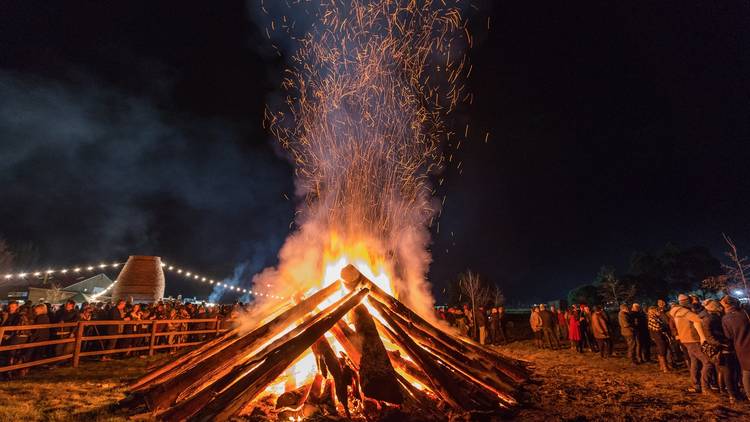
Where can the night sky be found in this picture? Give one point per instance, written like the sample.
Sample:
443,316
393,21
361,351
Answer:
135,128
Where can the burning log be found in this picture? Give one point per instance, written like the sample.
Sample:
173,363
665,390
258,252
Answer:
230,400
408,367
511,368
375,371
472,368
450,387
185,360
347,342
166,391
192,399
323,349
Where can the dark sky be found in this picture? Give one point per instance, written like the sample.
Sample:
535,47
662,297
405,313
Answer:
135,128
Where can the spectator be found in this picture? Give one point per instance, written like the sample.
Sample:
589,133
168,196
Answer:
481,325
535,321
501,321
628,332
562,324
66,314
574,330
549,320
493,326
40,316
736,327
600,330
116,313
657,330
461,322
717,348
640,329
690,334
587,335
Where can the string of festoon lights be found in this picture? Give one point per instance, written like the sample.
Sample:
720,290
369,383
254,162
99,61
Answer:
78,269
203,279
49,271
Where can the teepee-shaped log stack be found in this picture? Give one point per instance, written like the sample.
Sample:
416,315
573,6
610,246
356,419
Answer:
424,369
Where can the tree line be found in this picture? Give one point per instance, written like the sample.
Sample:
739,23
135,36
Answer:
667,272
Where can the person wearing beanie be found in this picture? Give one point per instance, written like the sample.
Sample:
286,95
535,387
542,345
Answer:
690,333
736,327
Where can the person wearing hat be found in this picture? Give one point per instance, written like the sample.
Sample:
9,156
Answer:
690,333
736,327
719,347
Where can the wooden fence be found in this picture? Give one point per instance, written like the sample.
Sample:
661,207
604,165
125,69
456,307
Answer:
77,334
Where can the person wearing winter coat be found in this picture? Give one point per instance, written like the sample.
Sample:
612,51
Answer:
722,356
642,340
574,330
600,330
627,331
562,323
736,326
40,334
66,314
690,333
535,321
657,329
549,321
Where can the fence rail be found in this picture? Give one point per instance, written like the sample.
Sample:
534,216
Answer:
77,334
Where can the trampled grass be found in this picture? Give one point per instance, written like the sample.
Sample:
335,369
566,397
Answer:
63,393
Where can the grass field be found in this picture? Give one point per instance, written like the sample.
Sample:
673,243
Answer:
71,394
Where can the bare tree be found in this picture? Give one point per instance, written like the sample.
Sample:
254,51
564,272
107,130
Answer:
612,289
471,285
739,267
56,294
498,298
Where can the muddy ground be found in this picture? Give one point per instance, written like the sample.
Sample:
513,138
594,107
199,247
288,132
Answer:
569,386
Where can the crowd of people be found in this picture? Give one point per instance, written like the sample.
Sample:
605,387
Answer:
485,325
710,338
17,315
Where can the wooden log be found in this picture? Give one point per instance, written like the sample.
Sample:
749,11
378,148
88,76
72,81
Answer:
423,403
453,389
473,368
324,349
408,367
192,399
377,377
229,401
510,367
165,393
346,338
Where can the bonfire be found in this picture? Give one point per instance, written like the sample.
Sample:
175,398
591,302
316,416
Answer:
362,122
348,349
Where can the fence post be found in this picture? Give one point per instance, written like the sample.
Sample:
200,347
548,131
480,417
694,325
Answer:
79,342
152,340
2,334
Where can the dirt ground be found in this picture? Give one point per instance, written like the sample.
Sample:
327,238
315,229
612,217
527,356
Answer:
568,386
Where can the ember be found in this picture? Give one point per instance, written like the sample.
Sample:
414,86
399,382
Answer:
367,93
366,354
